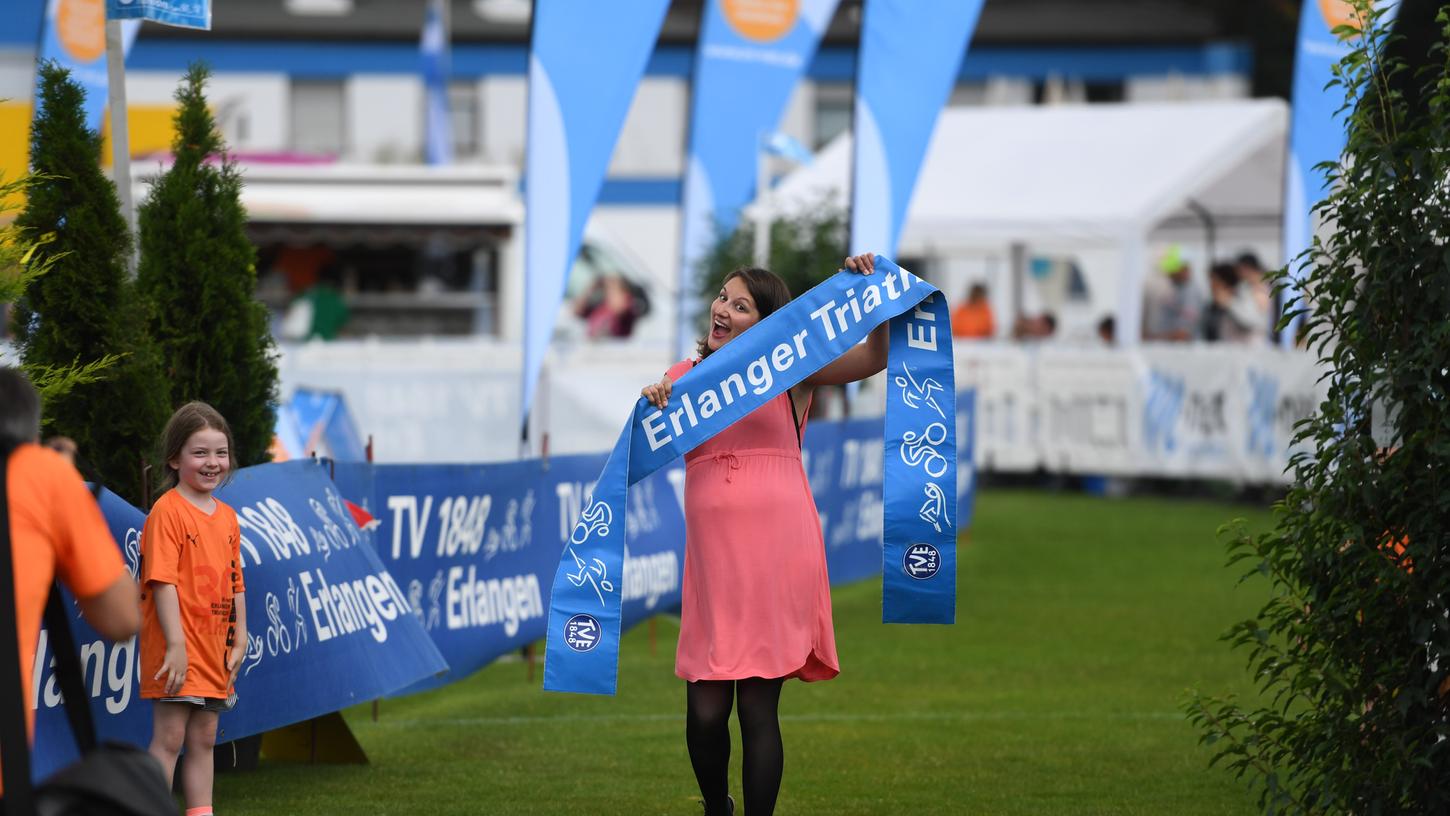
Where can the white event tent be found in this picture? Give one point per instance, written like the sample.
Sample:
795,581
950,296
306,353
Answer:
1116,176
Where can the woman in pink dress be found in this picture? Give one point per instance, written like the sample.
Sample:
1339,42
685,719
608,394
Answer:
756,607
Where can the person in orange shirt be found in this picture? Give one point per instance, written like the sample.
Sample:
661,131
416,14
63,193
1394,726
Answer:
194,630
56,530
973,318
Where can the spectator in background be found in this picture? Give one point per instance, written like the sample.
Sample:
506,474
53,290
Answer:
1108,330
56,531
608,308
1255,290
1172,306
1231,315
1038,327
320,311
973,317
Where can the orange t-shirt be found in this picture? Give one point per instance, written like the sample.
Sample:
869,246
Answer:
56,530
200,555
973,320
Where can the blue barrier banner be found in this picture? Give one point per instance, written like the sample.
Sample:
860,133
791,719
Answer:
585,60
750,57
812,330
183,13
467,548
915,43
329,627
474,547
74,35
1316,131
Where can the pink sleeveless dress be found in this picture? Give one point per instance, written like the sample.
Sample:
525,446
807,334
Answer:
756,600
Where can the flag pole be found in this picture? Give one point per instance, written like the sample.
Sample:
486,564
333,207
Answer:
120,134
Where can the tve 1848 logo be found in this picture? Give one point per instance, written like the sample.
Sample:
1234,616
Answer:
921,561
582,632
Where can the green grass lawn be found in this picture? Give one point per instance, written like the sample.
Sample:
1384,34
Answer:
1081,624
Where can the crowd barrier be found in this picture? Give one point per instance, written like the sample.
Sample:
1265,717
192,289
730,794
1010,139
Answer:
1176,411
1217,411
455,573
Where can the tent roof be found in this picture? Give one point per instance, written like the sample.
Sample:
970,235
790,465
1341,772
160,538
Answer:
1085,172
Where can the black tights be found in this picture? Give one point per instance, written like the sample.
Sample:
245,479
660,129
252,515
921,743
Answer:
707,732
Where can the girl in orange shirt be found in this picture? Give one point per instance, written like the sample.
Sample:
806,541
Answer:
194,628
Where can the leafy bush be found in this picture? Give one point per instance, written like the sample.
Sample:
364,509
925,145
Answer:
198,270
1351,653
84,310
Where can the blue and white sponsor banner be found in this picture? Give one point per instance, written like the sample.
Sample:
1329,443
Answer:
585,61
750,57
433,60
1189,411
74,35
328,626
785,348
911,51
183,13
1316,130
474,547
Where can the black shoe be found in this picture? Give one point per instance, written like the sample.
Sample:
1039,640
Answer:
729,801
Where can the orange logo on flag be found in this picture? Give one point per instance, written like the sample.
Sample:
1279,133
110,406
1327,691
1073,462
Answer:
80,25
761,20
1338,13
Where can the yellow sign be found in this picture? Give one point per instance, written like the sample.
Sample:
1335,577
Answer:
80,25
761,20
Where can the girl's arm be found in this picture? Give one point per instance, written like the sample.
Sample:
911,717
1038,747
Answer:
239,642
862,360
859,362
168,614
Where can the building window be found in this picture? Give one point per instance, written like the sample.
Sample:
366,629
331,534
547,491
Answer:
463,113
318,116
833,111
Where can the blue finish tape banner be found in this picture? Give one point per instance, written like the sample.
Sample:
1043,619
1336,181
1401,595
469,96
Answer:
329,627
183,13
750,57
1316,131
585,613
904,43
76,40
585,61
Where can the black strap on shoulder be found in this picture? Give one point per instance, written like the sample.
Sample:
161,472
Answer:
796,420
68,672
14,739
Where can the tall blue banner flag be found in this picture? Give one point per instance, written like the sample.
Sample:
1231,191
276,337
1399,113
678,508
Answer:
919,458
1316,134
911,51
433,59
74,36
750,57
584,64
